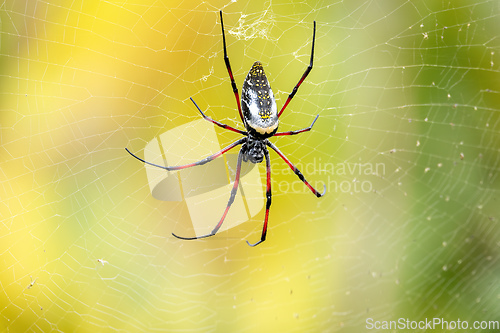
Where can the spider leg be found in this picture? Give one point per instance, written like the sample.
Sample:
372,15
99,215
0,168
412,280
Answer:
201,162
229,203
297,171
298,131
228,66
216,122
268,196
308,69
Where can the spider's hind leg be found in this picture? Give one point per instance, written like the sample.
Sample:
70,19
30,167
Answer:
306,73
229,71
218,123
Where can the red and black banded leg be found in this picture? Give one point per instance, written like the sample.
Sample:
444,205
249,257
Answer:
228,66
201,162
298,131
229,203
216,122
308,69
268,197
296,171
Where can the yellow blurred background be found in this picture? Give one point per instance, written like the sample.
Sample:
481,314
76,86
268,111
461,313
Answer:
407,143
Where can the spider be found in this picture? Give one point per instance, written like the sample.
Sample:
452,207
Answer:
259,114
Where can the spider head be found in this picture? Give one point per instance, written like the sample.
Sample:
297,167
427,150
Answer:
254,150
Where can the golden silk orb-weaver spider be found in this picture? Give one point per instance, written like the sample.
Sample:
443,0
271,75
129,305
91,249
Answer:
260,116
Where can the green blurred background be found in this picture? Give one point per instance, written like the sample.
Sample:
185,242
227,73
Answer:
413,86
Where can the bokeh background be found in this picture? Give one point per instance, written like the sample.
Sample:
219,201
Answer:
410,86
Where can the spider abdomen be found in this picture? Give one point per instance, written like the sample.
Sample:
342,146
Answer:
258,104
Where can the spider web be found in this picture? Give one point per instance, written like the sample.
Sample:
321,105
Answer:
407,144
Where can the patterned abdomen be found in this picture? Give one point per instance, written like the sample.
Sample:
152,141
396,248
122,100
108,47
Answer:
258,104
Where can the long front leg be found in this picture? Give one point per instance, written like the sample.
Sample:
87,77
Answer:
268,196
229,203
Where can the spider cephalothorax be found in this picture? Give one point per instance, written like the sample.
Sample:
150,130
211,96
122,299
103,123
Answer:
259,115
253,150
